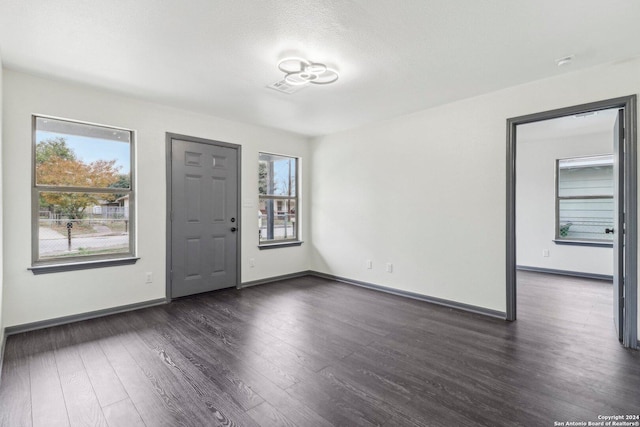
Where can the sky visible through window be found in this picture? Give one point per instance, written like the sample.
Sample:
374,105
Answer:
89,149
281,168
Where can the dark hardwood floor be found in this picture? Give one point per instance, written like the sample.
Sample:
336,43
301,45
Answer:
313,352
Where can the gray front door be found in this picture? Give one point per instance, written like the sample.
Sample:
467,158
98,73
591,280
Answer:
204,204
618,225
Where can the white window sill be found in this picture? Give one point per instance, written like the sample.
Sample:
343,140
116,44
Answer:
81,265
280,244
601,244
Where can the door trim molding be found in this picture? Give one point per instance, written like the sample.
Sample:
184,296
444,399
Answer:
628,103
169,138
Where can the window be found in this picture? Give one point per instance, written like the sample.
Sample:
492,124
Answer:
83,196
278,207
584,199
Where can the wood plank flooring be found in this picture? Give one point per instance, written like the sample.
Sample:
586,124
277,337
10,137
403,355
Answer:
313,352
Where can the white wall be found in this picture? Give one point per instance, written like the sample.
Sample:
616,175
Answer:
30,298
427,191
535,204
424,191
2,323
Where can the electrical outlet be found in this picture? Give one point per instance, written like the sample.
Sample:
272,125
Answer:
389,267
148,277
545,252
252,262
368,264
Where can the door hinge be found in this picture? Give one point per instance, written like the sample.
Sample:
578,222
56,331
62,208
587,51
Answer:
171,216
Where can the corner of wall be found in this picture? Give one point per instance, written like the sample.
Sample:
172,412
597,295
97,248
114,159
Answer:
2,334
313,254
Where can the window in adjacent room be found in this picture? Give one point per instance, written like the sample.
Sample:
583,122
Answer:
279,200
83,193
584,199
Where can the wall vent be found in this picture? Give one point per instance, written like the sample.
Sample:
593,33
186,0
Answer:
282,86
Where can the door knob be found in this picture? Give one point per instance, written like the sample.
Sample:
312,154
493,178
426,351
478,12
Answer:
233,229
608,230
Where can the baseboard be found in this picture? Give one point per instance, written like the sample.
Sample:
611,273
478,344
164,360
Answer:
274,279
433,300
12,330
26,327
565,273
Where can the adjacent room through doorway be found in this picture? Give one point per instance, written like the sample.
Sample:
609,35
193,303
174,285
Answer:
565,217
571,222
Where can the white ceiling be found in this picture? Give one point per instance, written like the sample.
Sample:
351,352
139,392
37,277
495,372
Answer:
598,122
394,57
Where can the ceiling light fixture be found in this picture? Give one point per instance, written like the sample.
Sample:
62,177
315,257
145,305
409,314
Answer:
299,71
564,60
585,114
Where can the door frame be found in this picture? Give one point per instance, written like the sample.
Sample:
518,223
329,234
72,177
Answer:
629,186
169,146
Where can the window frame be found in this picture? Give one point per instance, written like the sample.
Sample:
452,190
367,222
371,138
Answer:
58,264
297,241
576,241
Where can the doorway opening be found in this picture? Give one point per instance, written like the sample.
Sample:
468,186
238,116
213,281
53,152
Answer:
577,215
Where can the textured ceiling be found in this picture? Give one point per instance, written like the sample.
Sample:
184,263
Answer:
394,57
